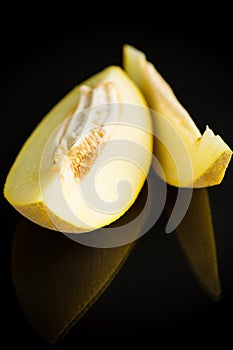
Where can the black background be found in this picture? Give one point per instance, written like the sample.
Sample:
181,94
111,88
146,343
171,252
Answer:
155,296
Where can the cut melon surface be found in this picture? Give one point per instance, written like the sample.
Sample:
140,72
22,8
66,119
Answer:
87,160
188,158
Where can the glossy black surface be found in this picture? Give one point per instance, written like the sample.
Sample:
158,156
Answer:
155,296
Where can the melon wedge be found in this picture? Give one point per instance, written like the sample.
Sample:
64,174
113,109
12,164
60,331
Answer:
188,159
86,162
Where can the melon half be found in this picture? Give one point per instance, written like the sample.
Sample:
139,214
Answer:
86,162
187,158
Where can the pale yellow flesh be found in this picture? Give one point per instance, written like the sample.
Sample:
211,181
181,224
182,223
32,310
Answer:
22,188
188,159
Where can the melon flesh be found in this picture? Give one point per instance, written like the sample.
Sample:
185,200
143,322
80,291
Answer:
188,158
41,183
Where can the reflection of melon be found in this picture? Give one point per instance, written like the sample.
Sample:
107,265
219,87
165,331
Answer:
187,157
57,280
195,234
64,156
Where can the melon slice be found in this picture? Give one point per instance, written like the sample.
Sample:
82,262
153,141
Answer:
188,159
86,162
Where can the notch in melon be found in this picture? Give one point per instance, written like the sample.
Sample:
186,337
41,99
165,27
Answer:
86,162
188,159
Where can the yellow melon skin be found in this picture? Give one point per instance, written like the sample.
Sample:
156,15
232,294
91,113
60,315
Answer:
188,159
22,187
